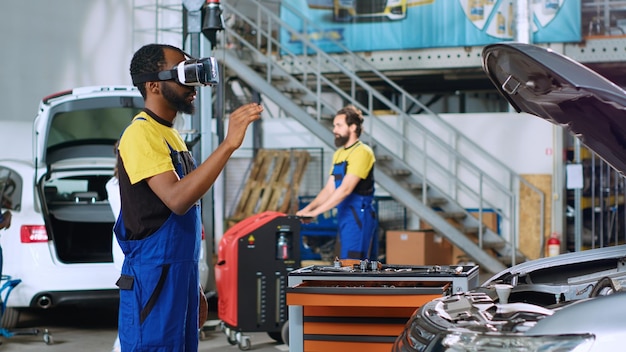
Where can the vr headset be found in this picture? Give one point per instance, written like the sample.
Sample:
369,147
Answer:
193,72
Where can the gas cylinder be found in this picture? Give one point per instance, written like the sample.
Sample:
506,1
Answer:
554,245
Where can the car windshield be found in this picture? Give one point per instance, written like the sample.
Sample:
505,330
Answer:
82,126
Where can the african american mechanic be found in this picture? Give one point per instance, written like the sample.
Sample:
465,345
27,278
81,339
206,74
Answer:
159,229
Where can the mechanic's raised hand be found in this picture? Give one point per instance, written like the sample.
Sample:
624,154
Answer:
239,121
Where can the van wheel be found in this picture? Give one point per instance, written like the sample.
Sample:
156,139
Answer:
10,318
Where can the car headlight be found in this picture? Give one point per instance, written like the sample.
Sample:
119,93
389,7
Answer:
416,336
470,342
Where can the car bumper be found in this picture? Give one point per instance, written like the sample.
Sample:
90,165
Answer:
49,299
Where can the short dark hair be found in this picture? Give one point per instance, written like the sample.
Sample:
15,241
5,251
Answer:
354,116
149,58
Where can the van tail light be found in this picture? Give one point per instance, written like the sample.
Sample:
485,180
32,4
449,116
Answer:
33,234
203,232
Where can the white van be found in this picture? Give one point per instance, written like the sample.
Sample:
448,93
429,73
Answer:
60,243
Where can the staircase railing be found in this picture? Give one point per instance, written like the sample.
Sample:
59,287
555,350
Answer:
428,146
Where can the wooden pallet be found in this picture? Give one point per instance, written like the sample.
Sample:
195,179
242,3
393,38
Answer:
273,183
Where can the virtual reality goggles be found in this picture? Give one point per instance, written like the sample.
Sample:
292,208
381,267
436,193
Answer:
193,72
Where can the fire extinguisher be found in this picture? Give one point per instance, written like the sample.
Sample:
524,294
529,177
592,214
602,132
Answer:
554,245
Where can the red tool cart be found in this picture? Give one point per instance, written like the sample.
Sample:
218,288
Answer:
253,262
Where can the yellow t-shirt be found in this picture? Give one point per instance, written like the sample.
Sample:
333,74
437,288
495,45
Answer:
360,158
143,153
144,148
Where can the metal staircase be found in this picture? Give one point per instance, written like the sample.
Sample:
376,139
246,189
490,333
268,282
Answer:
421,160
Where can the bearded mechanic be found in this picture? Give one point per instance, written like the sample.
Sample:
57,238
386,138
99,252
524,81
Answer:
159,229
350,188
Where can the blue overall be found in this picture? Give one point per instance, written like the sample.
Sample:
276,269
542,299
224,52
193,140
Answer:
357,222
159,293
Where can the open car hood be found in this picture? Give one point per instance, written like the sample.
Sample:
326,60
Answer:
547,84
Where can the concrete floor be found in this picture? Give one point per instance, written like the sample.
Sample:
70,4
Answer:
94,330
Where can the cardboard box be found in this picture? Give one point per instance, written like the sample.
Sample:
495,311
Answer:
459,256
416,247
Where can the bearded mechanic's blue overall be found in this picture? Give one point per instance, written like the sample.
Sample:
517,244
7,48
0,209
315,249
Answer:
158,268
356,218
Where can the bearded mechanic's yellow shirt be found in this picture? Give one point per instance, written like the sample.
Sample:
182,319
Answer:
360,158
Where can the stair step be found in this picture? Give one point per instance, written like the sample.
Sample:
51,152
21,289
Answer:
280,78
303,102
456,215
292,91
413,186
473,230
400,172
469,230
258,66
436,202
495,245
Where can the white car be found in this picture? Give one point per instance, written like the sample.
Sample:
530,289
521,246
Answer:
60,243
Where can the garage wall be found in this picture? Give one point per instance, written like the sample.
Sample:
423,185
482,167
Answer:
523,142
49,46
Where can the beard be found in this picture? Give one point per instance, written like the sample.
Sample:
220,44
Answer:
178,102
341,140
